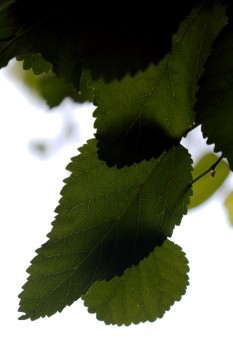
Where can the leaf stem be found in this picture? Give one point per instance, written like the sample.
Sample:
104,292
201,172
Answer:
210,169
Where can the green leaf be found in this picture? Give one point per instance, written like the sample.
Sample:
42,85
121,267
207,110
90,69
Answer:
143,37
141,116
35,62
205,187
108,219
144,292
70,35
229,206
48,33
215,96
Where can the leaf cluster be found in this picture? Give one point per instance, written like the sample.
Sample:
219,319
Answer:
153,76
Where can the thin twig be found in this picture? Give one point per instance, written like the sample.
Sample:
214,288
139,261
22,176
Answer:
212,168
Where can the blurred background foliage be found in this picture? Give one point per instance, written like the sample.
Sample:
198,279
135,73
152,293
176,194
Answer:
35,75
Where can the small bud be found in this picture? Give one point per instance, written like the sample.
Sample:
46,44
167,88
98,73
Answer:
213,173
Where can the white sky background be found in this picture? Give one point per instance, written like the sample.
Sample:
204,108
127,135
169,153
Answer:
29,192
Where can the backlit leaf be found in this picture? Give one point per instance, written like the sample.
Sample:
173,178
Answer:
141,116
108,219
144,292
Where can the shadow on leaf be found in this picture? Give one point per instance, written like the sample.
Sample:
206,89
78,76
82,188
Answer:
109,41
143,140
129,249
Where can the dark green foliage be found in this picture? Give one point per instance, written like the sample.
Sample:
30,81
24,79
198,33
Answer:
139,117
153,77
215,96
144,292
108,220
36,63
70,35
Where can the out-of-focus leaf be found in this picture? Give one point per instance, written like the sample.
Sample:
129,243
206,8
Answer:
229,206
206,186
144,292
54,90
38,77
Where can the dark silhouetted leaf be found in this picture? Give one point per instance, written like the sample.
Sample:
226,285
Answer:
141,116
144,292
70,35
215,96
205,187
108,219
143,36
47,32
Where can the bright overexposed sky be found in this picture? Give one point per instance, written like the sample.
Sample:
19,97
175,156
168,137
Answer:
29,192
